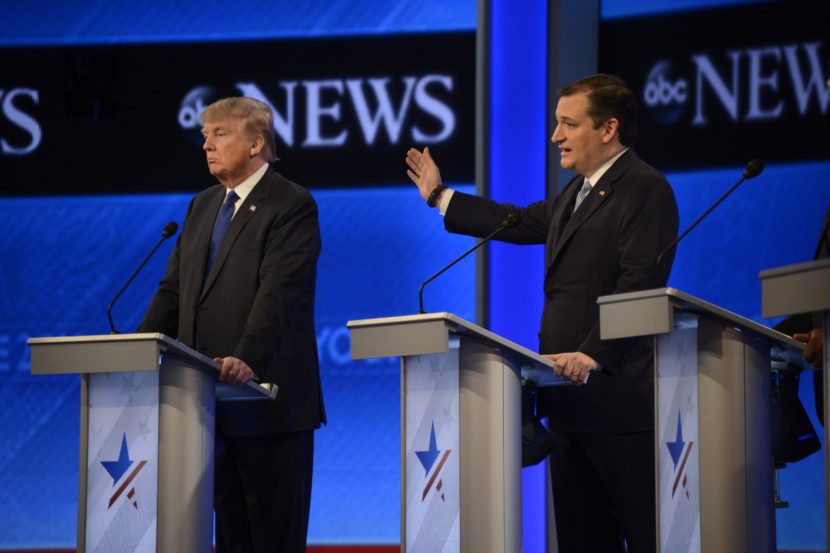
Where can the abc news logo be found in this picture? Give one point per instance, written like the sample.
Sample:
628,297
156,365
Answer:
20,133
745,84
330,112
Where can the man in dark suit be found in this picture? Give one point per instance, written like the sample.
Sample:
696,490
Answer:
808,327
240,287
603,233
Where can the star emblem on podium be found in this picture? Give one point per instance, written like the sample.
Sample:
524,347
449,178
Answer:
118,468
679,451
428,458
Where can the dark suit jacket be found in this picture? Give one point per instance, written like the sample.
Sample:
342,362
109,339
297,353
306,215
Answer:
805,322
609,245
257,303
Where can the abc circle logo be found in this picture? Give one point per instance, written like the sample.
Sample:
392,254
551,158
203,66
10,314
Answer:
192,106
664,94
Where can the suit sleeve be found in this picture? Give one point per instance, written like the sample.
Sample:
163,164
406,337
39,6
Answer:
476,216
648,224
283,307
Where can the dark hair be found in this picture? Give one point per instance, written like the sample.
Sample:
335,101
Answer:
608,96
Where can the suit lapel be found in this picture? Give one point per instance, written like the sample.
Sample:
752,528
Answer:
246,212
599,194
203,232
561,216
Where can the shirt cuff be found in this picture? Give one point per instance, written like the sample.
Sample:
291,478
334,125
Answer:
445,201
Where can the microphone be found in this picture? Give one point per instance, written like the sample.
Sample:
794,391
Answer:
168,231
511,221
752,170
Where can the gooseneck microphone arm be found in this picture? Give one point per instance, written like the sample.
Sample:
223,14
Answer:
169,230
511,221
752,170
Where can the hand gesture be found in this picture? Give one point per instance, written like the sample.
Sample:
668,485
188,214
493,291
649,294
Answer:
423,171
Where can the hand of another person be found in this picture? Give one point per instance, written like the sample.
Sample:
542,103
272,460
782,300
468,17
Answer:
423,171
573,366
814,348
234,371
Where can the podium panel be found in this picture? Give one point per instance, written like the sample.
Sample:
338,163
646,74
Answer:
713,401
122,460
432,500
460,429
146,439
677,426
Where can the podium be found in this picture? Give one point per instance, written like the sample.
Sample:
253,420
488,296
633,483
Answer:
713,441
146,438
804,288
461,447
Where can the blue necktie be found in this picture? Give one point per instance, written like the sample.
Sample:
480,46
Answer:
219,228
586,187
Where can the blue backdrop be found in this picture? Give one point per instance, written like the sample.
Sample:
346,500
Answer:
64,258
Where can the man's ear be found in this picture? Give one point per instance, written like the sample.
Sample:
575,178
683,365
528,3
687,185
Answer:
257,144
610,129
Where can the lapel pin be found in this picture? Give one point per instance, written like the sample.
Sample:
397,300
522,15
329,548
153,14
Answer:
252,208
602,192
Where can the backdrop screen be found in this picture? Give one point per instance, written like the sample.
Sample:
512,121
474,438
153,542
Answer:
99,149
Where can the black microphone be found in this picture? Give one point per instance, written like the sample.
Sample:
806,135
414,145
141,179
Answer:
752,170
511,221
169,230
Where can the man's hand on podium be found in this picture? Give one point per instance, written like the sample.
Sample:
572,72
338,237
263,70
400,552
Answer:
234,371
814,348
573,366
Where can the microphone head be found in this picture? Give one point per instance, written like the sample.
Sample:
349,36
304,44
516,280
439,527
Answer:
169,229
511,221
753,168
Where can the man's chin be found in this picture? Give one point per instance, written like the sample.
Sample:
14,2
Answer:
215,170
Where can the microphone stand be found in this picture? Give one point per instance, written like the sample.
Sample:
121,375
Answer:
511,220
752,170
164,236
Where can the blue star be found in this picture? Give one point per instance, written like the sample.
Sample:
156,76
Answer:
429,456
676,447
119,467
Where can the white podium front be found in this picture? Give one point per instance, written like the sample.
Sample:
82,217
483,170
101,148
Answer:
804,288
461,450
713,433
146,442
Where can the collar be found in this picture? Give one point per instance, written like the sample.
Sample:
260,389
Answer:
605,167
244,188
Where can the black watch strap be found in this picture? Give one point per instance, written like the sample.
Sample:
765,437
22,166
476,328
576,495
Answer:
433,196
